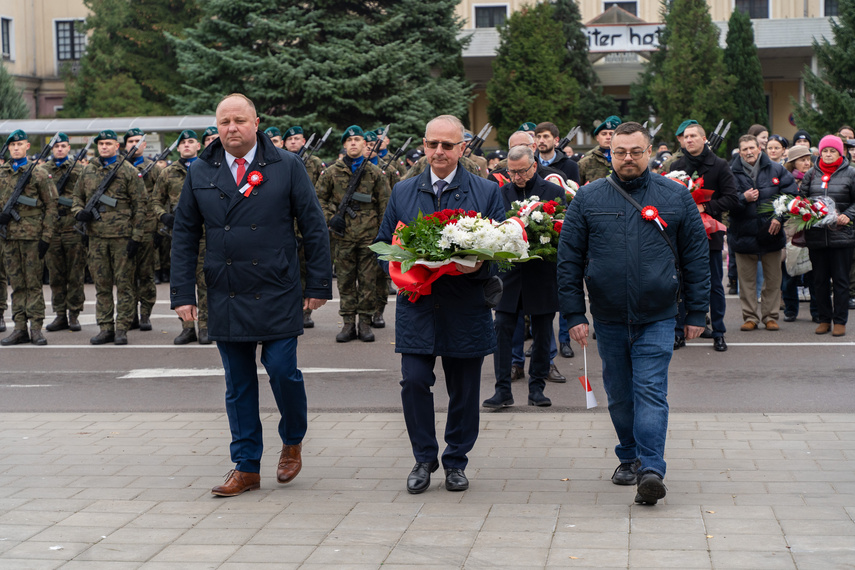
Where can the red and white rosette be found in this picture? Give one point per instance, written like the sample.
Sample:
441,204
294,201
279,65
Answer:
825,179
651,214
775,181
253,179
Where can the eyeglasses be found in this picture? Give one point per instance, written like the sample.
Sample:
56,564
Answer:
522,172
635,153
445,145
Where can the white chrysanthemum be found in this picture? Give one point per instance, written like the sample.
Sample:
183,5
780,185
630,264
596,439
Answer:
544,239
537,216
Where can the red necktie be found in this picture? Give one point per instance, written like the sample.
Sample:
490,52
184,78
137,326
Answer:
241,170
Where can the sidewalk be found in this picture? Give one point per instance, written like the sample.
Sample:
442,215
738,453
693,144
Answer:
117,491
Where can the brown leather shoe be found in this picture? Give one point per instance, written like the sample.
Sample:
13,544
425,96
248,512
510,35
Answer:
236,483
839,330
290,463
823,328
748,326
772,325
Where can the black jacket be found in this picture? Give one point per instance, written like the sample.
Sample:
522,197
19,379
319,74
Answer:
563,163
251,266
841,189
718,177
749,228
533,283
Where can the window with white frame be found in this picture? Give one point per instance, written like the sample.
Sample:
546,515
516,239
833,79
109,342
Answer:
631,7
756,9
70,41
490,16
6,37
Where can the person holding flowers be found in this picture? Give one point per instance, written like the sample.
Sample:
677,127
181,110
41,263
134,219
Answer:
452,322
756,232
831,246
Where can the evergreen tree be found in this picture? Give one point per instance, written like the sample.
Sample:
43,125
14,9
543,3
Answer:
743,64
831,101
129,55
12,105
593,104
322,63
528,83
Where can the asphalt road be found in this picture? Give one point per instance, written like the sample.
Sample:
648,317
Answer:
792,370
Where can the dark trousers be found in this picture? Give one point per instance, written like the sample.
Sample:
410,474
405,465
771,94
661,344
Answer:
538,369
790,292
463,383
834,264
718,304
279,358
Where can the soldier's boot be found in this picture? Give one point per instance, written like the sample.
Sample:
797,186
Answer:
308,323
187,336
103,337
2,323
73,323
60,323
37,338
121,337
377,321
203,336
17,337
145,321
365,333
347,334
135,324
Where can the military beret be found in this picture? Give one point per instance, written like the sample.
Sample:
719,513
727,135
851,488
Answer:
16,136
610,124
210,131
107,134
61,137
467,136
272,132
683,126
527,127
380,131
370,136
414,154
187,134
293,131
801,135
135,132
352,131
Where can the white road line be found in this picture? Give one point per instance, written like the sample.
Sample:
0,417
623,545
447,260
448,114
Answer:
26,385
696,344
195,372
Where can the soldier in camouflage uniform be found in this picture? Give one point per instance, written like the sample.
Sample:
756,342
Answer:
167,190
275,136
115,239
66,258
145,290
3,280
355,263
666,166
597,163
27,240
293,140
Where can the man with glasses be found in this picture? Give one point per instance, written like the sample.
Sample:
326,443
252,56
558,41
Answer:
632,274
529,288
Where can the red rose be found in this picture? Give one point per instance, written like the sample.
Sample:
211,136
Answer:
549,208
806,217
472,214
558,225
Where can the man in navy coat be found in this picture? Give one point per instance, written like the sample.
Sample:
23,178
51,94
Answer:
453,322
247,193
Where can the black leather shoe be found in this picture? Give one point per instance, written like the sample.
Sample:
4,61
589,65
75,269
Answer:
732,287
60,323
555,375
37,338
651,488
499,401
121,337
17,337
852,304
419,479
538,399
719,345
679,342
626,473
186,336
364,331
73,323
308,323
789,317
455,480
145,323
135,324
815,319
348,333
203,336
103,337
517,373
566,350
377,321
707,333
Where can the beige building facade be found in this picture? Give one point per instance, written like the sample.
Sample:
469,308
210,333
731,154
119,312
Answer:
784,31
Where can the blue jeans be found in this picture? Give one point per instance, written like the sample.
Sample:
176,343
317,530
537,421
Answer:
635,377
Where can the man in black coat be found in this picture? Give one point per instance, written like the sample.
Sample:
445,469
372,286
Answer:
247,193
699,161
529,288
546,137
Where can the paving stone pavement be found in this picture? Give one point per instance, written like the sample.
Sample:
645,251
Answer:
132,491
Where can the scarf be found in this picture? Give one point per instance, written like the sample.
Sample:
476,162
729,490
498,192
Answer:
60,161
139,161
750,169
695,162
383,153
187,161
829,169
353,163
798,174
108,161
18,163
607,152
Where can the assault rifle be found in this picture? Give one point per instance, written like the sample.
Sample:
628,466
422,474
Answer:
306,146
16,197
162,156
338,224
393,158
4,149
318,146
60,186
568,137
98,197
476,142
715,139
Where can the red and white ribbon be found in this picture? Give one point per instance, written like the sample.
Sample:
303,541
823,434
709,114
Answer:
252,180
651,214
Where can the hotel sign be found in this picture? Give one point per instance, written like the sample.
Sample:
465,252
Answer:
624,37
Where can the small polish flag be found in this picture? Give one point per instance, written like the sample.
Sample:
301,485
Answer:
590,399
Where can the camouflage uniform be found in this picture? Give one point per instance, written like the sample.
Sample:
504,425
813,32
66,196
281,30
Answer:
145,291
23,266
666,166
167,190
481,162
384,282
467,163
593,166
356,265
3,280
108,239
66,258
315,167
